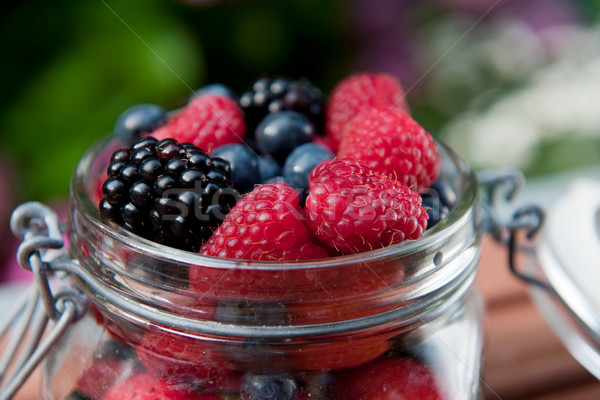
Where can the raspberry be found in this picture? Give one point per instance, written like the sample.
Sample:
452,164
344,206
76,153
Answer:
266,225
207,121
357,92
175,358
148,387
168,192
104,373
405,378
339,354
353,208
391,142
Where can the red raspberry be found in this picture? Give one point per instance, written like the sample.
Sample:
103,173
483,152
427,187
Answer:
208,121
357,92
353,208
390,141
103,374
302,395
405,378
347,352
265,225
179,358
148,387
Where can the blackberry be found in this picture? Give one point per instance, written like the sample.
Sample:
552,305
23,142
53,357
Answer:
168,192
270,95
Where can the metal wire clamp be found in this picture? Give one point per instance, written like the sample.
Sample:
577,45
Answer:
30,336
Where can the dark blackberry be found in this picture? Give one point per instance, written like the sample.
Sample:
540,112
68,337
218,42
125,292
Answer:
270,95
168,192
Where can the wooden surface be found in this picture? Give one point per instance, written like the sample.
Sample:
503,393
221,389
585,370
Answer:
523,358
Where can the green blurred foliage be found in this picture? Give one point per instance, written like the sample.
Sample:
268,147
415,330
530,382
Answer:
98,61
70,68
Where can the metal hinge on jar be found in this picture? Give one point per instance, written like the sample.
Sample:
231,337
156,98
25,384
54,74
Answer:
30,334
505,184
556,253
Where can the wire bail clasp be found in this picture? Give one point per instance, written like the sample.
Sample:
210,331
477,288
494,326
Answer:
42,253
528,218
494,183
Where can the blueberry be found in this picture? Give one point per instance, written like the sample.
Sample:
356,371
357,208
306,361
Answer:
301,161
215,88
268,168
276,179
445,192
281,132
302,192
77,395
438,200
268,386
115,349
138,120
244,165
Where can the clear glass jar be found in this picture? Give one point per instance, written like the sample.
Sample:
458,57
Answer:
406,317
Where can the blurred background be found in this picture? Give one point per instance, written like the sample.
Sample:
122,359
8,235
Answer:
505,82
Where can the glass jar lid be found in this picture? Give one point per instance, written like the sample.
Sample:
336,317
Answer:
569,260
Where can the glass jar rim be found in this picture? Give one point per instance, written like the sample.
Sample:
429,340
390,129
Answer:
81,199
407,280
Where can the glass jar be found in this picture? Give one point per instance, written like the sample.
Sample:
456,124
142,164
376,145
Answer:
559,256
402,319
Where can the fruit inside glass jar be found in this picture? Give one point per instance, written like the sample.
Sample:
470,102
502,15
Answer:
346,277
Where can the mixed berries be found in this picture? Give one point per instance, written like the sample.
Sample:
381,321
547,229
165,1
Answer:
266,225
180,178
271,95
280,174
